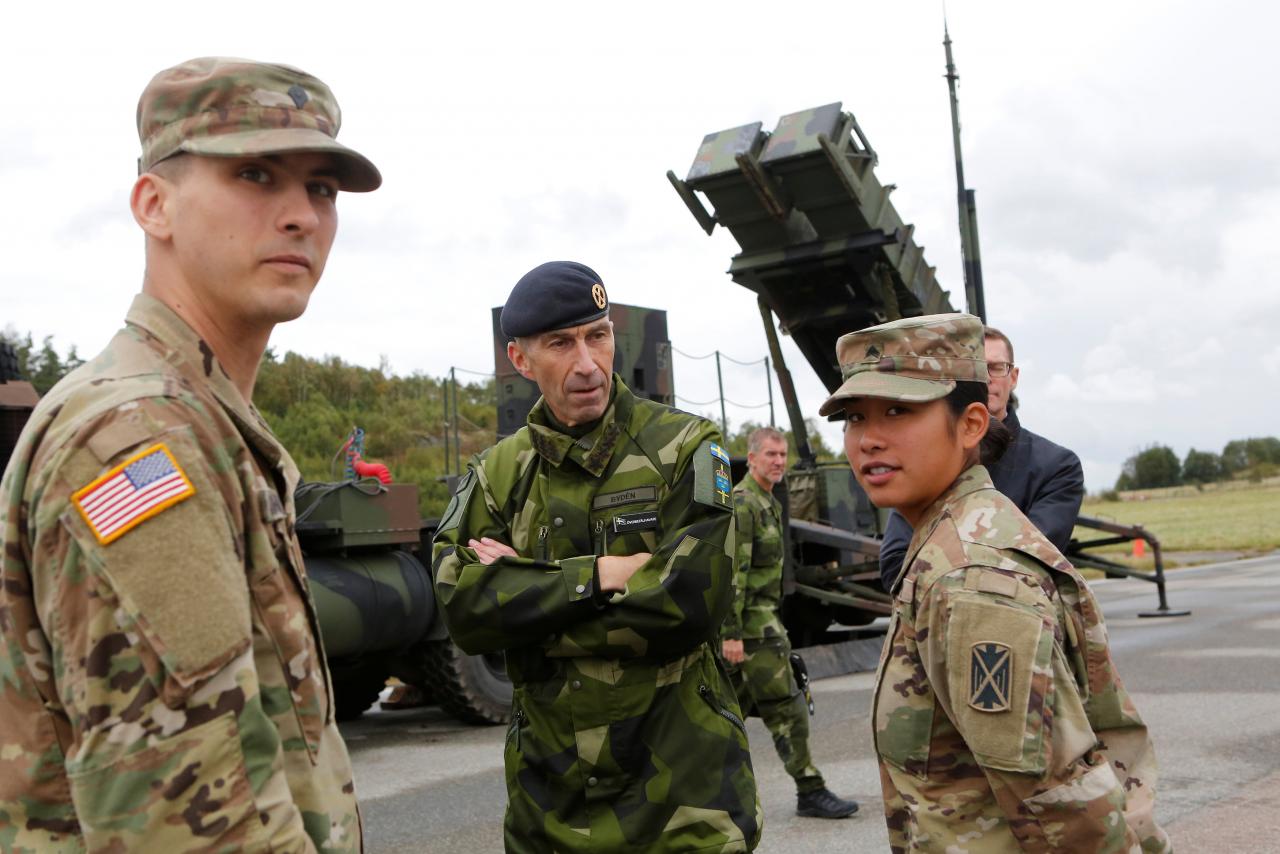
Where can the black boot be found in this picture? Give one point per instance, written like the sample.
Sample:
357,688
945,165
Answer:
823,803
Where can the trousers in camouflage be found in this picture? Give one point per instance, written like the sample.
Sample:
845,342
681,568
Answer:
764,680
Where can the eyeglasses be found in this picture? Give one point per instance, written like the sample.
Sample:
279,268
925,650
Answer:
999,369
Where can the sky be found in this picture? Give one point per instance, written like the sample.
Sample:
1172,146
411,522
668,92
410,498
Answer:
1123,156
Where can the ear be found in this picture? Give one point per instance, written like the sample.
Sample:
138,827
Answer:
150,201
972,425
519,360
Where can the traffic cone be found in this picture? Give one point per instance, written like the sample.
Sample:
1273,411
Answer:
1139,548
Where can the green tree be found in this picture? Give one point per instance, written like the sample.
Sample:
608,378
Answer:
1151,468
1242,455
1201,467
42,366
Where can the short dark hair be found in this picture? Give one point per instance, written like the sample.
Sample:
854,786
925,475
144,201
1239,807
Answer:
990,333
172,168
998,437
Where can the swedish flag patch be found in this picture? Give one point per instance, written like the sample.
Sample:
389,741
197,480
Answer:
712,484
990,664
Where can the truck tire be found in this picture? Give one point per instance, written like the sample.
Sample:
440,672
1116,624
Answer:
473,688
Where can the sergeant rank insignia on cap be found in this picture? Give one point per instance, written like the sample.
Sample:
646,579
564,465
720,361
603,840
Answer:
142,486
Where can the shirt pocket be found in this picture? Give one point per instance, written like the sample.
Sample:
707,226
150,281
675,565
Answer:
291,669
626,530
904,705
766,546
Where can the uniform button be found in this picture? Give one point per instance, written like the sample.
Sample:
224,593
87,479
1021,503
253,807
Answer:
558,521
577,685
592,781
581,588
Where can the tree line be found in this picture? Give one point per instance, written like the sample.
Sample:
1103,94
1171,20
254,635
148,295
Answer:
1158,466
313,404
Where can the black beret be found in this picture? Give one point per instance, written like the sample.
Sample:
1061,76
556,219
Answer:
554,295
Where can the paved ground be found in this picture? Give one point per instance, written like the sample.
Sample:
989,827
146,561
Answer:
1207,684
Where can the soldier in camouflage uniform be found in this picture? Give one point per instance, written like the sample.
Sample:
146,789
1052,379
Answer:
162,686
754,643
1000,721
595,548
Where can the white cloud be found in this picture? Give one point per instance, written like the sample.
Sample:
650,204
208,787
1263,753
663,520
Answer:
1271,361
1128,250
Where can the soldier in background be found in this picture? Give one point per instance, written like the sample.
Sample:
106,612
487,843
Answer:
754,643
1043,479
595,548
1000,721
165,688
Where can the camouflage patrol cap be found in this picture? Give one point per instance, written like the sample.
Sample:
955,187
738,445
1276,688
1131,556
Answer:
554,295
915,359
224,107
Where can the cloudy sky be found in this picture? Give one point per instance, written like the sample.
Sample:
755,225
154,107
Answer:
1124,157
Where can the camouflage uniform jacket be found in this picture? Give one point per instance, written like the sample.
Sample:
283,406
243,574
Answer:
166,690
1000,721
625,734
757,578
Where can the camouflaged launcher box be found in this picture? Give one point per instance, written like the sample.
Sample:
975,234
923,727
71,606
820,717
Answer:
357,514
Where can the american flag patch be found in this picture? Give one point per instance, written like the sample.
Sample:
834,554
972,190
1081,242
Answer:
132,492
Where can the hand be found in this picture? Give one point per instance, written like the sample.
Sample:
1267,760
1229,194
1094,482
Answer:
490,550
615,572
731,651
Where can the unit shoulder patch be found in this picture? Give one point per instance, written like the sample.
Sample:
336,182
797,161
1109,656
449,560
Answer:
711,480
143,486
990,664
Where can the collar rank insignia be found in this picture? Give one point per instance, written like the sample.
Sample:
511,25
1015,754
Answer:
989,668
873,352
142,486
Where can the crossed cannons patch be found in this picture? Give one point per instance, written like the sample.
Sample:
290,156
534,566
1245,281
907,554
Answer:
989,667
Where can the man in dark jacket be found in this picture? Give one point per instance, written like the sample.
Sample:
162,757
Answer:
1045,480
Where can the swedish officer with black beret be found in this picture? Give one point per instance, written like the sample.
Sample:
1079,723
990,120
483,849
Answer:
594,547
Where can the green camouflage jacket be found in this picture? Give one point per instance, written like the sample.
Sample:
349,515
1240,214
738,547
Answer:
757,578
625,734
162,686
1000,721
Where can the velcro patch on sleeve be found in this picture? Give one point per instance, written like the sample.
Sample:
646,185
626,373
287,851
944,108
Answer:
141,487
712,483
998,660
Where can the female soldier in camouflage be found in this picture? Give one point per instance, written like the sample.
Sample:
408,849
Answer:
1000,721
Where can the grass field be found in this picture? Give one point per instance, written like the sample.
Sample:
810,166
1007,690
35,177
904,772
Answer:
1231,517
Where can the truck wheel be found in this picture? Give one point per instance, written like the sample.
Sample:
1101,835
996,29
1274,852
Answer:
355,692
473,688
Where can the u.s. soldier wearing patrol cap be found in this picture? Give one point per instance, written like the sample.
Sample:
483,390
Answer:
1017,733
166,690
595,548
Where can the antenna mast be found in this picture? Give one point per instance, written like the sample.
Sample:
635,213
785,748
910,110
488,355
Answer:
964,200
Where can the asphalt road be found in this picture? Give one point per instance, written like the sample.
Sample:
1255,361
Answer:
1208,686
